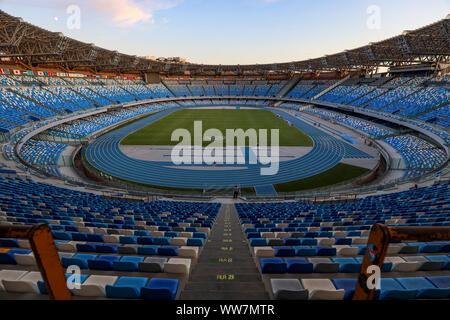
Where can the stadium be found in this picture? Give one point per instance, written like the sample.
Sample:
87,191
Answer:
125,178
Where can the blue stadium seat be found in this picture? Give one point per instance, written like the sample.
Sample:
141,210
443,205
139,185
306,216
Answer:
258,242
161,241
9,243
80,260
285,251
273,265
128,263
309,242
325,251
7,256
104,262
348,265
168,251
292,242
126,288
160,289
106,248
441,282
305,251
299,265
393,290
86,247
147,250
43,289
131,239
348,285
195,242
426,289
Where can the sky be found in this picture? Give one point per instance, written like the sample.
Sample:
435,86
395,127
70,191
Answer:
229,31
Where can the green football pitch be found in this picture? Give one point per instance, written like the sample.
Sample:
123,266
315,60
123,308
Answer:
160,132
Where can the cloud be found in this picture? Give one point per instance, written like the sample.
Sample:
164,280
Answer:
129,12
119,12
122,12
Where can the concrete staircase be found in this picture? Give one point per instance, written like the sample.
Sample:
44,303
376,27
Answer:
337,84
291,84
225,269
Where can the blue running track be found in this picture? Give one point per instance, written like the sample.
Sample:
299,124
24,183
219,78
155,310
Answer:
105,155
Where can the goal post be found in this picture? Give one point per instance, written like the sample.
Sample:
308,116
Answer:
377,247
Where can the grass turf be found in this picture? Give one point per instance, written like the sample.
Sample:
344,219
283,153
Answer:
340,173
159,132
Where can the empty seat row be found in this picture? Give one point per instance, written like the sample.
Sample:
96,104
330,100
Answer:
437,287
352,265
109,262
88,286
327,249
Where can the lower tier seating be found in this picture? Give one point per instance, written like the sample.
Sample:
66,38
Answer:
407,288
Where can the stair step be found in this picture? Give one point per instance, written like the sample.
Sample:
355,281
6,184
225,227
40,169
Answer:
220,286
214,269
242,261
219,280
220,295
237,277
225,254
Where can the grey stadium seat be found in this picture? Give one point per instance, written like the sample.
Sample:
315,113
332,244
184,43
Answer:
152,264
426,265
128,249
288,289
324,265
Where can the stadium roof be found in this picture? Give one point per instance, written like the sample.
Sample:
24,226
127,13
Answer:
35,46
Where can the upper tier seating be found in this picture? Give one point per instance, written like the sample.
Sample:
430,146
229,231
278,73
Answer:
114,94
13,115
236,90
6,126
197,90
248,90
355,94
222,90
180,90
160,90
261,90
18,101
336,93
140,91
28,98
53,81
439,116
209,90
70,95
301,89
7,81
403,95
275,89
89,93
47,98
